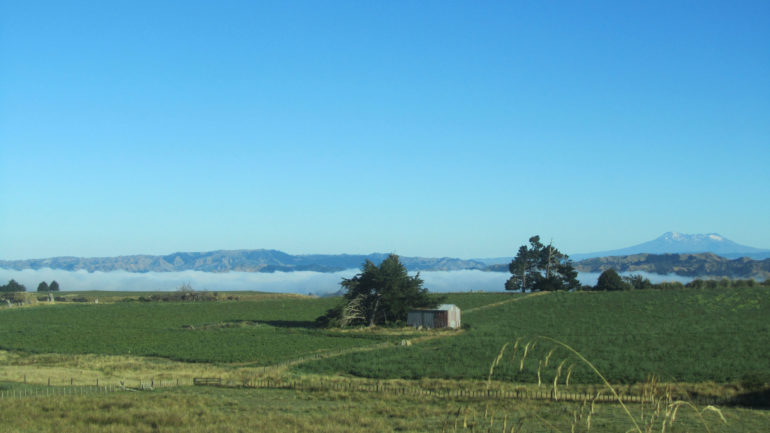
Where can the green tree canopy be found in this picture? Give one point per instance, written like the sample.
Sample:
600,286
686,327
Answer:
610,280
54,287
638,282
42,287
379,295
541,268
13,286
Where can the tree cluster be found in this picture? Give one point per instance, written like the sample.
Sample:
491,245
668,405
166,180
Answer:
379,295
539,267
12,286
610,280
45,287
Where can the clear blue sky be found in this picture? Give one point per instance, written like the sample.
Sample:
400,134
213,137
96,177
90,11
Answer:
422,128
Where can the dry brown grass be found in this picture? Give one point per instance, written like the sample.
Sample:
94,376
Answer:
62,369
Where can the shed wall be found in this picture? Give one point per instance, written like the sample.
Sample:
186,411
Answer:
444,318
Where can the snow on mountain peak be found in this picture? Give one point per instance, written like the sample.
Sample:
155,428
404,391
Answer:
671,236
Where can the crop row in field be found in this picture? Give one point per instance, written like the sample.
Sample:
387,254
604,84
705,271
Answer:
689,335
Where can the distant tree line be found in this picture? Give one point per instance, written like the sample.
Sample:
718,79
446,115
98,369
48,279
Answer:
610,280
14,286
725,283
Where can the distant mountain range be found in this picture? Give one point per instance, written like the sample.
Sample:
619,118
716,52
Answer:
669,243
236,260
699,255
680,243
683,254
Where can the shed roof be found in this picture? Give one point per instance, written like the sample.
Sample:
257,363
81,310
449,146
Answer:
442,307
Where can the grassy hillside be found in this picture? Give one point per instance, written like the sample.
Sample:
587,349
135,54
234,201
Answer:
692,336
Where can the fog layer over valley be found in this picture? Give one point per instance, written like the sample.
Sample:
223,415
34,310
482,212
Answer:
302,282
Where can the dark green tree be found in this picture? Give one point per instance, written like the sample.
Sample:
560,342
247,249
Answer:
43,287
13,286
54,287
610,280
541,268
521,267
379,295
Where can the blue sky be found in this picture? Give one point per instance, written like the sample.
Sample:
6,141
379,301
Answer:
422,128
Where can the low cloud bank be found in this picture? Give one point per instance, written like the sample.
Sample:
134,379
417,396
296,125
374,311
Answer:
280,282
303,282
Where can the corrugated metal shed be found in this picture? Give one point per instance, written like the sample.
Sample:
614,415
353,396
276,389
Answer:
445,316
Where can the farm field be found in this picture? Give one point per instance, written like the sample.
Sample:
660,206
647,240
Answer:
259,332
205,409
681,336
628,336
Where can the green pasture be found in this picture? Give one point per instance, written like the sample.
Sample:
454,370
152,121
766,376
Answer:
259,332
718,335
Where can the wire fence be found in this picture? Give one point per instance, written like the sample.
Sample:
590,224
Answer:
72,387
448,393
50,391
25,390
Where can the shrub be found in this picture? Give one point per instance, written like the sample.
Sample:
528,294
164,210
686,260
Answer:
671,285
610,280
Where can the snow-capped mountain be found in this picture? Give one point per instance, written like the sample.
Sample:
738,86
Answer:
673,242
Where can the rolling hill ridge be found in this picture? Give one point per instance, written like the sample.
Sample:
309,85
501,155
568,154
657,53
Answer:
236,260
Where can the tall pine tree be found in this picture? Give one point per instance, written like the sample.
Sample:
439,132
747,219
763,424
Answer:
541,268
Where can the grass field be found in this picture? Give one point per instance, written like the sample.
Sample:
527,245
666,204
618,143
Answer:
715,339
261,332
689,335
627,335
200,409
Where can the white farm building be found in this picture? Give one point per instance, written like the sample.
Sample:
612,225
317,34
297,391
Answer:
445,316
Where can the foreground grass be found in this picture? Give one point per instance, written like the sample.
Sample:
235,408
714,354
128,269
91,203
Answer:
195,409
